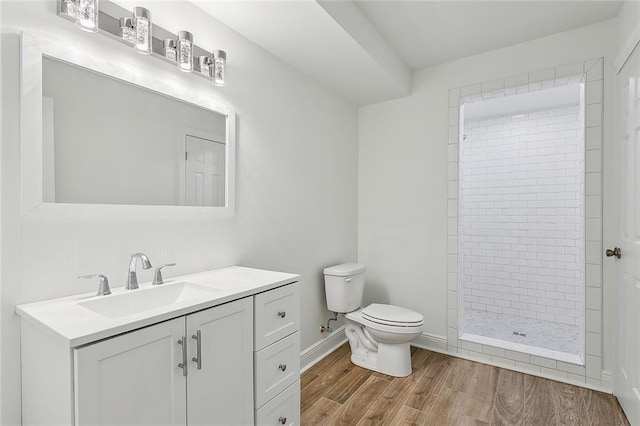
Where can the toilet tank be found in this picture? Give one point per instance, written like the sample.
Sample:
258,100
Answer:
343,285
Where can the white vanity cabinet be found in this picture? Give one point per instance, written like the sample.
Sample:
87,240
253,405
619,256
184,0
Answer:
131,379
196,363
135,378
277,356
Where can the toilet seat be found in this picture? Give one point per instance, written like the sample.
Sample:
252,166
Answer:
401,321
391,315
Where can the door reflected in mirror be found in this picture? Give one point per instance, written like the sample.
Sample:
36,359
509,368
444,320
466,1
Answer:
106,141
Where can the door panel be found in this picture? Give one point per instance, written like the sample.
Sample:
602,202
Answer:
204,172
221,391
132,379
628,138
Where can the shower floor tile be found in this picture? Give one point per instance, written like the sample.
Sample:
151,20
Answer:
543,338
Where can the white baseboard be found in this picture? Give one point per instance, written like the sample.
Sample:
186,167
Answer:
314,353
607,380
431,342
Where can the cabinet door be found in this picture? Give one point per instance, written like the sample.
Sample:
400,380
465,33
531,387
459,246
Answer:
220,385
132,379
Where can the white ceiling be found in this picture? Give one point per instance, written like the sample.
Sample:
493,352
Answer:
425,33
365,50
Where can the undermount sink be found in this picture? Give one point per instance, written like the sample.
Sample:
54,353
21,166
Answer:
134,302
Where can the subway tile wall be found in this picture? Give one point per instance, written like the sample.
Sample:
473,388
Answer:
591,374
521,224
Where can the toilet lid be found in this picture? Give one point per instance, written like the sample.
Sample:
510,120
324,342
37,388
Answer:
392,315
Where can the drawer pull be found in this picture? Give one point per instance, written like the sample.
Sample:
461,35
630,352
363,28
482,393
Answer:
183,364
282,367
282,420
198,358
282,314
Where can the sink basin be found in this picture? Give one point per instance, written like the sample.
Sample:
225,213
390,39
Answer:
134,302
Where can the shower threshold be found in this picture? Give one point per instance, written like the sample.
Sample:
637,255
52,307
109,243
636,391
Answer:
527,349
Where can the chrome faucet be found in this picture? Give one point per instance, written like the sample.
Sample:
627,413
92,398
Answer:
132,277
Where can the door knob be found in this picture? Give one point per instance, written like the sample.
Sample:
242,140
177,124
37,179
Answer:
615,252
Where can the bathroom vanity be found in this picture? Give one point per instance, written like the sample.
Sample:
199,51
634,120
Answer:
218,347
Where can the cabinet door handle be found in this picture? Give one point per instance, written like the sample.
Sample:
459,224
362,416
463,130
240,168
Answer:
282,314
282,367
282,420
183,364
198,358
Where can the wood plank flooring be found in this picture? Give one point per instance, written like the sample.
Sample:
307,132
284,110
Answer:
444,390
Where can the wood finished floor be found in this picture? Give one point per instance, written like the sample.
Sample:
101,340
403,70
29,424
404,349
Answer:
445,390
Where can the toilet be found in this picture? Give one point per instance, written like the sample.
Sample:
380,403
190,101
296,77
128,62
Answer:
379,334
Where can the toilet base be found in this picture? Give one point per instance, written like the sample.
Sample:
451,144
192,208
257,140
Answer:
393,359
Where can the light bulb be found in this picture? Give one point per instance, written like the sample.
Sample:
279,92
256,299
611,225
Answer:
185,51
127,32
87,15
219,65
142,24
70,7
169,46
204,62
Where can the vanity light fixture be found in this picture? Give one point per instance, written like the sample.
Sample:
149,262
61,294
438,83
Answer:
142,24
219,65
87,15
185,51
135,28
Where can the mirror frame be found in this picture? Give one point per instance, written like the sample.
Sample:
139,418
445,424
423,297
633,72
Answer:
31,160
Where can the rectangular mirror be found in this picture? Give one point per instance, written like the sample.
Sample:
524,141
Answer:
109,139
106,141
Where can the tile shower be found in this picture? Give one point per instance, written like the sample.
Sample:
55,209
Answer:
590,371
521,222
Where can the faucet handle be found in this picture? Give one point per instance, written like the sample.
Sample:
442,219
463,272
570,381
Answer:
157,276
103,285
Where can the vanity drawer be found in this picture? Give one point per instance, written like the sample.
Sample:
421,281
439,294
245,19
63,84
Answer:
277,314
277,366
284,409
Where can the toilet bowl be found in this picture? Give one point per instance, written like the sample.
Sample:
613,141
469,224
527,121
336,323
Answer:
379,334
380,342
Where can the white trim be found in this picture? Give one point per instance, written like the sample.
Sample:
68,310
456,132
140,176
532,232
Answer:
319,350
628,48
431,342
607,380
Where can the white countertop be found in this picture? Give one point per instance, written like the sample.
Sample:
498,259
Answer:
77,325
